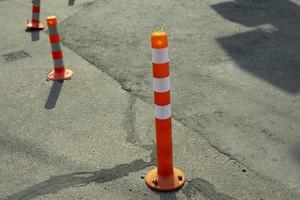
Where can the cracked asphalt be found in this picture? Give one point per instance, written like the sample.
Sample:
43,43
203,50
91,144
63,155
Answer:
235,100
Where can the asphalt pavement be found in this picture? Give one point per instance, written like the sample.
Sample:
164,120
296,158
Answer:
235,100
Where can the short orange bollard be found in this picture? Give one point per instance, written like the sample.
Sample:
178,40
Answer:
35,20
165,177
59,72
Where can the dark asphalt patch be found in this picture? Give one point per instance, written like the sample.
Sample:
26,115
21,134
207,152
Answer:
57,183
16,55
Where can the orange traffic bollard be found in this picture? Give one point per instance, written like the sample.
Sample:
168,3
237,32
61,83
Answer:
165,177
35,20
59,72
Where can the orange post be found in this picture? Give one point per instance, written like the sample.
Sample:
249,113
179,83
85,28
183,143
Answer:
165,177
59,72
35,20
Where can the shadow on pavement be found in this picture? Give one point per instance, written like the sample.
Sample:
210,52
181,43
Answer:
295,151
167,195
71,2
271,51
54,94
35,35
57,183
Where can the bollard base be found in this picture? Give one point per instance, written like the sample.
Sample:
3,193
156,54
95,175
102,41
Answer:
67,74
169,183
34,27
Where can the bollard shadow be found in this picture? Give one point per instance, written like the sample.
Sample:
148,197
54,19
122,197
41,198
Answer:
71,2
270,51
35,34
167,195
53,95
295,151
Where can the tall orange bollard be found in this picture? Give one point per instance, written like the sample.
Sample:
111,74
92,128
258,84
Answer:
165,177
59,72
35,20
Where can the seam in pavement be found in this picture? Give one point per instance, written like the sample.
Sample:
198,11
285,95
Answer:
128,124
207,190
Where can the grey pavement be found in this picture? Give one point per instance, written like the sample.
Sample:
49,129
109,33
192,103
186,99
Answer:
235,89
234,64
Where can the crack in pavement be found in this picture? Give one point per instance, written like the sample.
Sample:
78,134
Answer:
128,124
129,120
221,151
205,188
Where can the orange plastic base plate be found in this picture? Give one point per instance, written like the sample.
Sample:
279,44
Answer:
67,74
169,183
31,26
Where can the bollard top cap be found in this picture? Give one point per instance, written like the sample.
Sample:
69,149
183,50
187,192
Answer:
51,21
159,40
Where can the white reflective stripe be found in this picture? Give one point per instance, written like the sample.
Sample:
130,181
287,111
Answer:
161,84
52,30
163,112
35,15
55,46
58,62
160,56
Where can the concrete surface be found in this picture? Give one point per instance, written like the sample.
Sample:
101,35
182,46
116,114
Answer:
92,137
